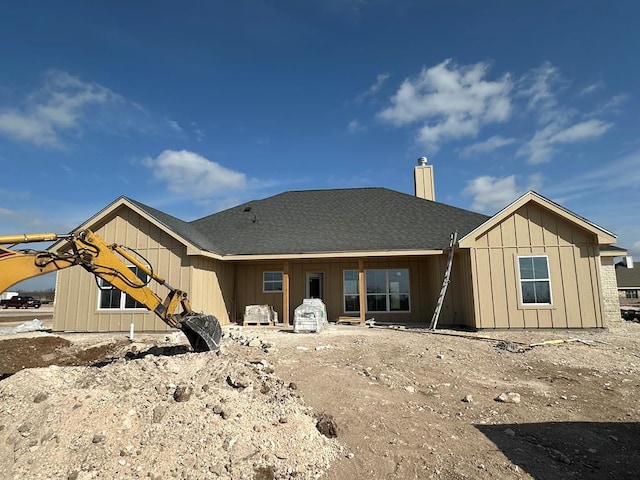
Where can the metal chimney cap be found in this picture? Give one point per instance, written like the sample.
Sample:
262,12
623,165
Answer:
422,161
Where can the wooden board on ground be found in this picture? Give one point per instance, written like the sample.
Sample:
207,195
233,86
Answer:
247,323
349,320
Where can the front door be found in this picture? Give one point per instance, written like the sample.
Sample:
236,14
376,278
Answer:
315,285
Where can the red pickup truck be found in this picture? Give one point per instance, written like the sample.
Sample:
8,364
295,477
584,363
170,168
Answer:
20,301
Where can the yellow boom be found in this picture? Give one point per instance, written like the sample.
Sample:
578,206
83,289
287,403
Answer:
103,260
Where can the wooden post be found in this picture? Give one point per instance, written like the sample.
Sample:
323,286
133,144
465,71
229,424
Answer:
362,289
285,293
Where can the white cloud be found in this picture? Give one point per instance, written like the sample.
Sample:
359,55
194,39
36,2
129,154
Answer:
449,102
375,88
541,147
5,211
558,124
613,103
487,146
60,105
197,131
592,88
355,127
175,126
18,126
581,131
620,174
188,173
491,193
539,87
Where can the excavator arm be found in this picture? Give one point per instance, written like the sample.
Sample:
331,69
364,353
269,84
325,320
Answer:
107,262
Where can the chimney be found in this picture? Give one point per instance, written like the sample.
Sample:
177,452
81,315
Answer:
423,180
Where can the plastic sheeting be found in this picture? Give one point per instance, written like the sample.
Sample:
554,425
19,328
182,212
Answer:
259,315
34,325
311,316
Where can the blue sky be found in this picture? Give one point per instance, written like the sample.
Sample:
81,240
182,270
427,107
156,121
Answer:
195,106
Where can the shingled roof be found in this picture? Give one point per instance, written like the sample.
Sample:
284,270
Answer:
329,221
180,227
628,277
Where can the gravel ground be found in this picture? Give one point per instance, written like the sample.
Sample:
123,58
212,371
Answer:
404,403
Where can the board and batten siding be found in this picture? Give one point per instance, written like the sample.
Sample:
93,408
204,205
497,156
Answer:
77,294
212,288
574,269
460,292
426,275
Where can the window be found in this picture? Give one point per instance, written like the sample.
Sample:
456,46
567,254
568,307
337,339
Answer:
535,283
387,290
351,291
271,282
631,293
112,297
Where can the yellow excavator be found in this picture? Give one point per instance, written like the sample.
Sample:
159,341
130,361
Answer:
107,262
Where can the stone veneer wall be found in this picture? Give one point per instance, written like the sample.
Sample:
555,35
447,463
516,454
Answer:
610,296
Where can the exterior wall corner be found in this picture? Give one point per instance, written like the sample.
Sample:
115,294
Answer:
610,297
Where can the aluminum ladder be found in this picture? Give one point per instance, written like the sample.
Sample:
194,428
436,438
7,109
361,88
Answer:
445,283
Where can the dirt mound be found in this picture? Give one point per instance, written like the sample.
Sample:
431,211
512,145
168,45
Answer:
187,416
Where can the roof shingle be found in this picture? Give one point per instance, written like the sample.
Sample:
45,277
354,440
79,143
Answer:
339,220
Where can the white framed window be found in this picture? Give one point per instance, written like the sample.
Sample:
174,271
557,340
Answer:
631,293
387,290
111,297
535,281
271,282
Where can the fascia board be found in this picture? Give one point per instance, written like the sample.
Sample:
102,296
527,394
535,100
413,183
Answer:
604,236
191,248
617,253
358,254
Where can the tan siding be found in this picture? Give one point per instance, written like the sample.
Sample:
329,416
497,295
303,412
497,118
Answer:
536,234
508,230
498,290
550,230
596,285
422,291
480,322
570,288
461,290
485,302
545,318
521,227
67,296
211,280
558,292
249,287
588,297
425,282
565,234
77,306
514,316
494,236
573,263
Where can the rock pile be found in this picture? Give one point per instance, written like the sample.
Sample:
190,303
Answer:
185,416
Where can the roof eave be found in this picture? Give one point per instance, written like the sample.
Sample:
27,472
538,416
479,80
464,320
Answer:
349,254
613,253
605,237
124,201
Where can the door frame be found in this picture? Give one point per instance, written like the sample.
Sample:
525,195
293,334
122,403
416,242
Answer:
307,283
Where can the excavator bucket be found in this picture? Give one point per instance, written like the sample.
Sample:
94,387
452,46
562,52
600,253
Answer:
202,331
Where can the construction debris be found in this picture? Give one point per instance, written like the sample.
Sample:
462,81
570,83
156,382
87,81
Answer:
310,316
